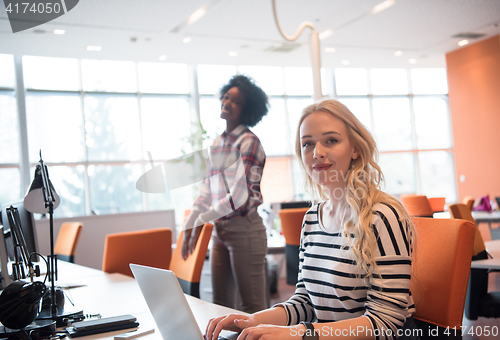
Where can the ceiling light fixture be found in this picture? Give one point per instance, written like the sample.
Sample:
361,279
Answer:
412,61
345,62
94,48
59,31
325,34
398,53
200,12
463,42
163,57
383,6
233,54
330,49
186,40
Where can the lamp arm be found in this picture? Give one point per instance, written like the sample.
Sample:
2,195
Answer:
315,51
48,196
299,30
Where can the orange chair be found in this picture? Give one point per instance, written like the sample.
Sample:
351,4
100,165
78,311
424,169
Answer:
188,271
151,247
480,301
441,266
462,212
437,203
469,202
417,205
291,226
67,239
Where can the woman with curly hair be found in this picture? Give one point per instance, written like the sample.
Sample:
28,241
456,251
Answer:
230,197
356,243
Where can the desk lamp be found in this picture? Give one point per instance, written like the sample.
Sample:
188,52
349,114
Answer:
41,199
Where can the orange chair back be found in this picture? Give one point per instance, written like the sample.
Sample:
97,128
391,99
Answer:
152,247
441,266
437,203
67,238
291,224
462,212
469,202
190,269
417,205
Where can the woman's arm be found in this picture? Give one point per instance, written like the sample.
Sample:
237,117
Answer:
238,322
270,324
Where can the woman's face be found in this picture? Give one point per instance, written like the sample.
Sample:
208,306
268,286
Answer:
232,105
326,149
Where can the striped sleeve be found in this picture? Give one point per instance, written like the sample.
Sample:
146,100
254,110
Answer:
389,301
300,307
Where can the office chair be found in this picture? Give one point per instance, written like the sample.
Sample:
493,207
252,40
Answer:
152,247
417,205
469,202
188,271
440,272
437,203
291,226
67,239
479,302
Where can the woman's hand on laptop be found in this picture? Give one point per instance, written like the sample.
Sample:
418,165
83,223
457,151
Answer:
230,322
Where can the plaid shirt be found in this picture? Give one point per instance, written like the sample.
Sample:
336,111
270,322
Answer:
236,163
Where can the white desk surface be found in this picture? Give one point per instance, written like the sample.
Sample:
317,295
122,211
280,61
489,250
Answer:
479,216
488,217
117,294
486,264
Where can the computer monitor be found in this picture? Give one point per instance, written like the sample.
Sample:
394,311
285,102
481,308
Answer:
27,228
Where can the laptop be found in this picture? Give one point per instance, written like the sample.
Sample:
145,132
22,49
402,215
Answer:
168,305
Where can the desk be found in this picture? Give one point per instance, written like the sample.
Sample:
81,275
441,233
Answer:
486,217
479,216
117,294
486,264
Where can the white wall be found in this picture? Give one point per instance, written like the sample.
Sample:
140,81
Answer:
90,248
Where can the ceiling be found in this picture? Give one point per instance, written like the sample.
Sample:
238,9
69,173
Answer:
144,30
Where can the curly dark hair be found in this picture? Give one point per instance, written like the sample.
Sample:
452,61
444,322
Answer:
255,104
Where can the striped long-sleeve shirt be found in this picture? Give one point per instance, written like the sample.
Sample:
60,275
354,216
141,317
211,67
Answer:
327,290
236,163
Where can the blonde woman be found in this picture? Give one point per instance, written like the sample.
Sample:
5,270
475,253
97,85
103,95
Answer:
356,243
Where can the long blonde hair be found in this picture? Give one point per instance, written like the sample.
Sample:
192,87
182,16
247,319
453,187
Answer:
364,176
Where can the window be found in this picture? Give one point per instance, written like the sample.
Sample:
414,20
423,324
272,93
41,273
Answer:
112,128
389,81
9,129
7,75
109,76
163,78
272,129
166,124
10,175
392,128
96,122
351,81
54,127
429,81
212,77
50,73
405,120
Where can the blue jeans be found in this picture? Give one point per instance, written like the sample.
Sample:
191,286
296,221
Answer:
238,256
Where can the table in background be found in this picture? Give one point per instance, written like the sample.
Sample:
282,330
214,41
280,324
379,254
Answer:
479,216
486,217
486,264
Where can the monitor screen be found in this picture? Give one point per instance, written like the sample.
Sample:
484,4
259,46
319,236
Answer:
27,227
